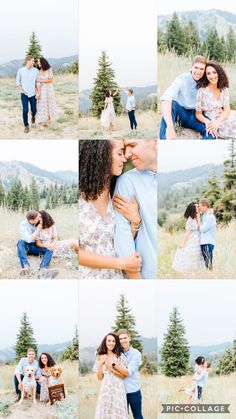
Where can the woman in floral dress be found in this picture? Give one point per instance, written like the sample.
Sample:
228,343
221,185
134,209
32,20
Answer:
48,238
188,257
112,403
100,162
45,363
46,103
108,115
213,103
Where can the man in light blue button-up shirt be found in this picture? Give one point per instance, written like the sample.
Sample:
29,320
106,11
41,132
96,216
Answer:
179,100
29,360
26,82
140,183
207,231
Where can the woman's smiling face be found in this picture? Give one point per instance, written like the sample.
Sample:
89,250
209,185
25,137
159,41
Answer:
118,157
110,342
212,75
44,359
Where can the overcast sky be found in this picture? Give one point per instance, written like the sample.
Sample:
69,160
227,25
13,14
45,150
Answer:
55,23
168,6
52,307
97,307
207,308
127,31
183,154
50,155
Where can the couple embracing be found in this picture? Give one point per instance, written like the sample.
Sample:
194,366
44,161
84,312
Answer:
117,211
117,367
199,100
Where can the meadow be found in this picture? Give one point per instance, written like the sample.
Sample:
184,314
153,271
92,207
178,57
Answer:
220,389
224,260
66,221
67,409
66,126
169,67
89,389
90,127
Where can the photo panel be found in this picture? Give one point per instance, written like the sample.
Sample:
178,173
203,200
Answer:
118,88
118,209
39,70
196,70
196,210
39,349
39,209
196,349
108,309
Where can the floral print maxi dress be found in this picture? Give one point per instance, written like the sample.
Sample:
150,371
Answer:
212,107
46,104
62,248
96,235
112,402
189,258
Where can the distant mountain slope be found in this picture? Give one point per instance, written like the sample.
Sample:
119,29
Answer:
139,93
10,68
204,20
25,171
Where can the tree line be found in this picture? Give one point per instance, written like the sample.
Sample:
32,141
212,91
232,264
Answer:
23,198
184,40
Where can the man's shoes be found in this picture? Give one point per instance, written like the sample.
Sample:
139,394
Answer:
25,271
17,399
33,119
26,130
47,273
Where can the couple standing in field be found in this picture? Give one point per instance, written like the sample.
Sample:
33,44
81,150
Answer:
117,211
117,367
34,82
199,100
199,241
199,379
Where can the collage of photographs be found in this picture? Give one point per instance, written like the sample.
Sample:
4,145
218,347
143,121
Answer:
117,249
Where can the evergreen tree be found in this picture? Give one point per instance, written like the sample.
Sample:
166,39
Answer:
175,36
126,320
25,338
15,195
227,363
71,353
104,81
148,367
34,48
230,45
192,39
2,194
227,204
25,206
161,41
175,351
215,46
74,67
34,195
212,191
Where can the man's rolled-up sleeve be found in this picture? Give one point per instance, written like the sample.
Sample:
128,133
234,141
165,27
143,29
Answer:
173,90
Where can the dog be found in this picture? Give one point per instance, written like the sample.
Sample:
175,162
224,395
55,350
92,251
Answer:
28,384
55,379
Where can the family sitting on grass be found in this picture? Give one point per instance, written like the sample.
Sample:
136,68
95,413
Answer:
38,237
33,378
199,380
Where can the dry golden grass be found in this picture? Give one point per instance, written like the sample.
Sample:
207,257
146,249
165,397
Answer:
224,260
66,219
220,390
89,389
66,126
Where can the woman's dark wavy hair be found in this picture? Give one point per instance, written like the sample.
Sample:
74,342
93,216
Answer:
102,349
223,80
50,363
191,211
47,220
200,360
44,64
95,161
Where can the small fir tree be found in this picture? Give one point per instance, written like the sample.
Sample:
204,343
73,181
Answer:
25,338
34,48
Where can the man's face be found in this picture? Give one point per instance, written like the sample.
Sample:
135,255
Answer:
124,341
202,208
36,220
30,63
198,70
141,153
31,356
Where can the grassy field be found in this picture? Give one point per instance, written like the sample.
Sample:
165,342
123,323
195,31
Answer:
169,67
219,390
66,220
67,124
224,260
67,409
89,389
90,127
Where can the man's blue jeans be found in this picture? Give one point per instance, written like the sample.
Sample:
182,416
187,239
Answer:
186,119
132,119
199,392
25,100
207,252
134,400
24,249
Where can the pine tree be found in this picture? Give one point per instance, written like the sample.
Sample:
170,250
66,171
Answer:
126,320
104,81
148,367
227,363
71,353
175,36
74,67
175,350
230,45
161,41
192,39
2,194
228,201
34,195
25,338
14,195
34,48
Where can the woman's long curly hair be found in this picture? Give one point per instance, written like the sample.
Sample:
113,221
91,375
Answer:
47,220
223,80
95,162
102,349
50,362
191,211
